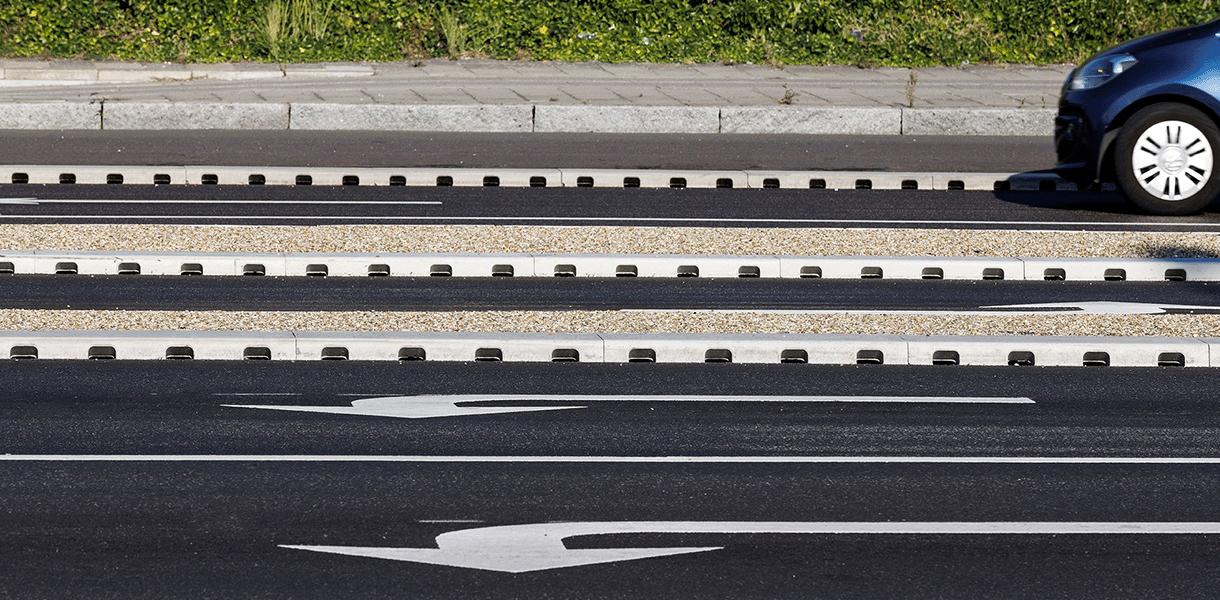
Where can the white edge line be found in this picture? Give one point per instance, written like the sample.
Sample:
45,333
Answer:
322,458
250,201
865,222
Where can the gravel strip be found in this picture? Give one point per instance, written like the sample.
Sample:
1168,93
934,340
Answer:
631,240
617,322
652,240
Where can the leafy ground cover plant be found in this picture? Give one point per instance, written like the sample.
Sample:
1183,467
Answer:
858,32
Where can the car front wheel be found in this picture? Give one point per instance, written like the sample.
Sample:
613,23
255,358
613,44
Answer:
1164,160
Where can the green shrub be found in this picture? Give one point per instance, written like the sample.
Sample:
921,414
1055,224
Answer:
866,32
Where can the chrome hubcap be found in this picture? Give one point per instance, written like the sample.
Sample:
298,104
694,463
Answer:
1172,160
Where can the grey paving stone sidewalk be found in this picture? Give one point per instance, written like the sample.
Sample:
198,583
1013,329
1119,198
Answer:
485,95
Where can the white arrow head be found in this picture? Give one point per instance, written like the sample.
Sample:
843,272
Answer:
1103,307
506,560
514,548
413,407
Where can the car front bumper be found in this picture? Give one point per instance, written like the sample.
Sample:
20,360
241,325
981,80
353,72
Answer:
1076,157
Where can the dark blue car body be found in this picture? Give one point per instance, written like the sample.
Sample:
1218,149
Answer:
1180,65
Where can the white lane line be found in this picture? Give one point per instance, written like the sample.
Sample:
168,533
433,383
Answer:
18,200
1051,308
539,546
428,407
393,458
637,220
252,201
258,394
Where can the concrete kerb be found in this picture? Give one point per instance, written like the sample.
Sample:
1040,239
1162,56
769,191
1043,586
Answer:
593,265
483,118
619,348
195,115
626,119
654,179
900,267
92,174
148,345
569,177
1117,269
979,121
50,115
775,348
52,262
523,118
1059,351
811,120
451,347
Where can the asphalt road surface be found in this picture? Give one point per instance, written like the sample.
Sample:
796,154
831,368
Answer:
252,205
148,292
198,479
1016,499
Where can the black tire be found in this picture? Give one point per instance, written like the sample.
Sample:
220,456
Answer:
1164,173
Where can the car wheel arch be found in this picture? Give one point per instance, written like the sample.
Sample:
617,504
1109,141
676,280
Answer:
1105,163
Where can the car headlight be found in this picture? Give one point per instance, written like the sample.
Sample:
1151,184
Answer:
1102,70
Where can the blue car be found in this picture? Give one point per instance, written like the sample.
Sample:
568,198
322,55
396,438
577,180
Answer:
1145,116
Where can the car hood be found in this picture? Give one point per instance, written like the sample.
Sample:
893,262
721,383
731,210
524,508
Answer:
1163,38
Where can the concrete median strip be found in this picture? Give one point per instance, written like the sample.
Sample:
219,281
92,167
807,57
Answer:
56,262
1061,351
493,177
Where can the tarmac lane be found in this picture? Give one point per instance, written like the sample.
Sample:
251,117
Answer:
739,208
200,479
796,296
197,528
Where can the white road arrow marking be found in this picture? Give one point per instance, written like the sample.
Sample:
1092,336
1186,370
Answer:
1104,308
427,407
539,546
1073,308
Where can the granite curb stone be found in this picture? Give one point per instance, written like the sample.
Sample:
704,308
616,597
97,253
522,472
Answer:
51,115
811,120
420,117
978,121
194,115
626,119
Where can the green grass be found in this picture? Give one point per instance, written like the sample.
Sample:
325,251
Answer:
856,32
